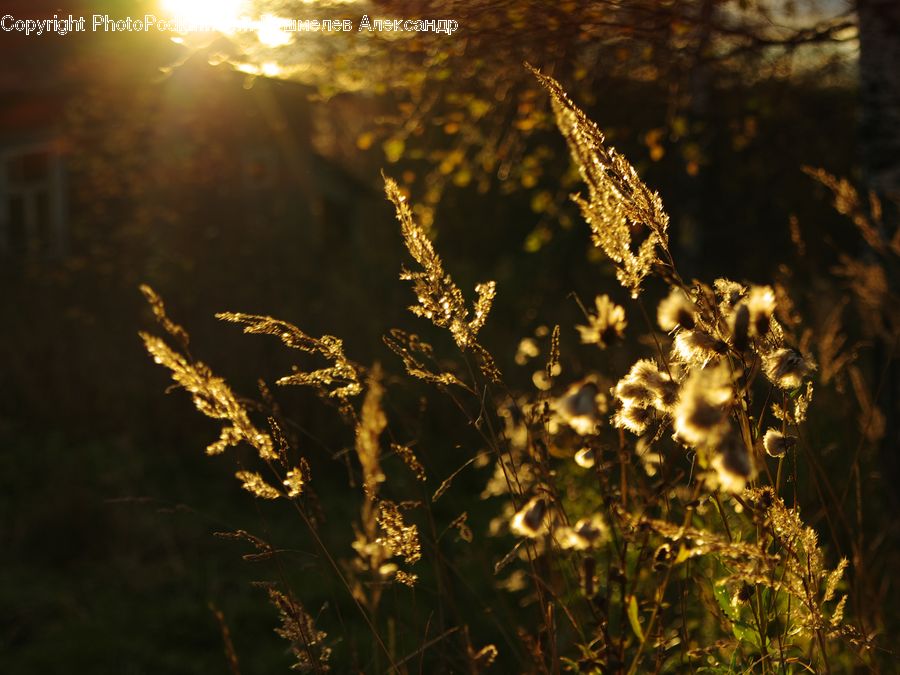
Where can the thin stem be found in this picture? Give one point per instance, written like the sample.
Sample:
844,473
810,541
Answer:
346,585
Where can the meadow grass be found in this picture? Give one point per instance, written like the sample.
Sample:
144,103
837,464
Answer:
651,519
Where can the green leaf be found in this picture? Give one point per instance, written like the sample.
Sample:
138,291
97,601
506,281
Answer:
745,632
633,618
723,597
741,629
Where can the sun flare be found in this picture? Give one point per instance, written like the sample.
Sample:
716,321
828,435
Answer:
270,31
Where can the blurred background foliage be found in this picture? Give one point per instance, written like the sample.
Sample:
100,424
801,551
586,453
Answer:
242,172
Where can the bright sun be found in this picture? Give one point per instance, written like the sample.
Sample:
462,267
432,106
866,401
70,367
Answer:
219,14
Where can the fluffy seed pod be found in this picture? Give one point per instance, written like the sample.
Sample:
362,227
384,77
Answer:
582,406
701,414
675,311
586,533
606,326
697,348
645,386
777,444
729,293
585,458
633,418
761,305
530,520
733,463
786,368
740,327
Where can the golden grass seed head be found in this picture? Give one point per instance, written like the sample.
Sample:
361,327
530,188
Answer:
399,538
256,485
406,578
617,198
296,479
